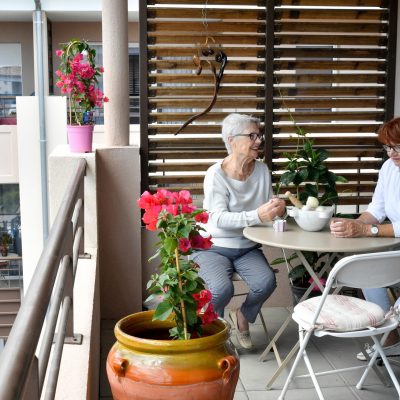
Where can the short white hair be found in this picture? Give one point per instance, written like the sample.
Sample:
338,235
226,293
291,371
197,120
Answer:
235,124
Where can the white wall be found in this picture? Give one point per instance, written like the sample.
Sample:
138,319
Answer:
8,154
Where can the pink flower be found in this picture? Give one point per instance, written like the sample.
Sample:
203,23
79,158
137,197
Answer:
202,217
101,69
184,245
184,197
188,208
146,200
316,288
59,53
106,99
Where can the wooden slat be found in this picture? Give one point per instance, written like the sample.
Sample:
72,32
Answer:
203,166
252,38
329,103
351,152
330,141
212,13
285,39
230,51
188,64
331,14
205,77
209,2
341,3
330,78
183,116
352,91
180,154
194,26
168,91
202,103
330,53
329,116
329,128
378,65
337,3
314,26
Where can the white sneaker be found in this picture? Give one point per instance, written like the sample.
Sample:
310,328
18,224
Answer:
243,338
390,351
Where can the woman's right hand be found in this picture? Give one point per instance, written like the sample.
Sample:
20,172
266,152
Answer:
271,209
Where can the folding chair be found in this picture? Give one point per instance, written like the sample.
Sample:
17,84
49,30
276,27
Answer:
348,317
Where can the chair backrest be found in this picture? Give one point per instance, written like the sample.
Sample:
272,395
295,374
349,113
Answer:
370,270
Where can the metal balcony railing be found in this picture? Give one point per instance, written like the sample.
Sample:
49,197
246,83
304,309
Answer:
49,299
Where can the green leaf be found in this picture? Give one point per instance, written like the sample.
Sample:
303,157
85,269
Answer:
170,245
163,311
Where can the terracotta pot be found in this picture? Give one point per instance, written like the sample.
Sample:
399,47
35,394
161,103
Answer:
143,366
80,138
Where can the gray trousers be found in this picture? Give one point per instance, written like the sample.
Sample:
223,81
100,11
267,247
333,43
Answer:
217,266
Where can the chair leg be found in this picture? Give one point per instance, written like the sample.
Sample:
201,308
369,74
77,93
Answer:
300,354
312,375
274,347
389,369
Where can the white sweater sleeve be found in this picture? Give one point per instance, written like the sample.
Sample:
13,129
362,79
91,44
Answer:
217,199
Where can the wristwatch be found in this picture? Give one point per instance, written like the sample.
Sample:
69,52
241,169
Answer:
374,230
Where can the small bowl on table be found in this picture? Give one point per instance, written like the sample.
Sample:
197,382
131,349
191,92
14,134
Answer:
311,220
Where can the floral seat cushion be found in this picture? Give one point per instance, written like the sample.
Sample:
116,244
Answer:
340,313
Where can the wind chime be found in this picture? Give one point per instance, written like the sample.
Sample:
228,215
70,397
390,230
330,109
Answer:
209,55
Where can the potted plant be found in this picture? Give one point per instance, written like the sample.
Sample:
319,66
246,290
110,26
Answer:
181,349
77,77
6,240
308,173
314,185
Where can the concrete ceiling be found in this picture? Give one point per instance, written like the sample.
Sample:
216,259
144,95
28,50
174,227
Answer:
60,10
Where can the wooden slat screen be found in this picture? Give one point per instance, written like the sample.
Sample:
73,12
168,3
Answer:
324,64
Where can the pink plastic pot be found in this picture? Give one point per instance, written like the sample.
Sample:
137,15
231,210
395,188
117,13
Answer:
80,138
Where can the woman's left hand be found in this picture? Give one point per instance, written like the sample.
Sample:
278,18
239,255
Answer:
343,227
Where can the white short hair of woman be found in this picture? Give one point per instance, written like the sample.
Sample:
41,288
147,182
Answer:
235,124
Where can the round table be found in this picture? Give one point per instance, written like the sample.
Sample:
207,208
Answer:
295,238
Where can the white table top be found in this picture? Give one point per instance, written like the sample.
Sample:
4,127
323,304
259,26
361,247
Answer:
296,238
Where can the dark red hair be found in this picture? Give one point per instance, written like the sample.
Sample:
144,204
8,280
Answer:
389,132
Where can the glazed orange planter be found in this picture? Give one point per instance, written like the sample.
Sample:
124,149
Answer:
145,365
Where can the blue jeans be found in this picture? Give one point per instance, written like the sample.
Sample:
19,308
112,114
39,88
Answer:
379,296
217,266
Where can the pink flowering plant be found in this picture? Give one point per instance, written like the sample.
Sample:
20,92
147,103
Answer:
77,77
178,285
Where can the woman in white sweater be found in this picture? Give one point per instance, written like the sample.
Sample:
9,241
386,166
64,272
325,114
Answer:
238,193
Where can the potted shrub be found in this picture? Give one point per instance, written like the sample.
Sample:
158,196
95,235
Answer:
181,350
308,173
6,240
314,185
77,77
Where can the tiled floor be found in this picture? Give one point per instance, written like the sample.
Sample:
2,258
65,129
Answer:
254,374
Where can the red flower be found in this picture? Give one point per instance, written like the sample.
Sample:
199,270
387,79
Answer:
184,245
59,53
202,299
202,217
199,242
209,315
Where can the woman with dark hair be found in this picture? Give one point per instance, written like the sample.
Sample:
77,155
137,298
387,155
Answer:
385,204
238,193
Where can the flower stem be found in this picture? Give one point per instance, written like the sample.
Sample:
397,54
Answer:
183,309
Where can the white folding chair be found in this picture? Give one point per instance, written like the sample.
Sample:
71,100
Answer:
348,317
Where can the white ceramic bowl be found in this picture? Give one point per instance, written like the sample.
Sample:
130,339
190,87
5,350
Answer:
311,220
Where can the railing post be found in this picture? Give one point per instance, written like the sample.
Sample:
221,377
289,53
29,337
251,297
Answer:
31,388
70,336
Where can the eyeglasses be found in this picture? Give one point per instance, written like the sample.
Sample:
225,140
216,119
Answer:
253,136
394,148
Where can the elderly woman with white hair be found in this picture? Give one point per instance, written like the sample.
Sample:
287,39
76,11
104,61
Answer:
238,193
